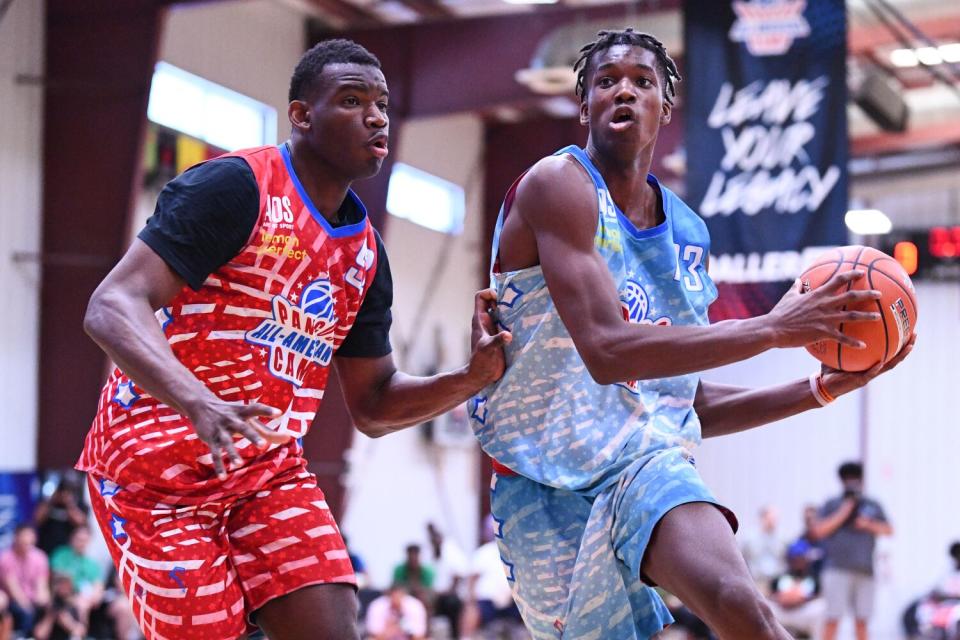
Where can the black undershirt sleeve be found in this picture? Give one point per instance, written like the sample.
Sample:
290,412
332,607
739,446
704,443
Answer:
370,335
204,217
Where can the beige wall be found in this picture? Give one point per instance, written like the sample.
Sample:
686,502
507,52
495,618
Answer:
398,483
21,106
250,46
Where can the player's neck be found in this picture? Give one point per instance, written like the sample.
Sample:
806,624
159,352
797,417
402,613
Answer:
327,189
626,179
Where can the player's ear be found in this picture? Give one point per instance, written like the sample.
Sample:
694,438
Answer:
666,113
298,112
584,112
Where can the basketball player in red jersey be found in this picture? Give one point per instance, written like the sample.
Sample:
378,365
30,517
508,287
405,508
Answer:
257,271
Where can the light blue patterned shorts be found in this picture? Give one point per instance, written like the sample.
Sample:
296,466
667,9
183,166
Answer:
574,560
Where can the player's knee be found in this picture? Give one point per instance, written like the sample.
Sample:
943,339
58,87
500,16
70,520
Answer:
739,599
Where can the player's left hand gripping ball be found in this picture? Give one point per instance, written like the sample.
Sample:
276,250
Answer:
487,361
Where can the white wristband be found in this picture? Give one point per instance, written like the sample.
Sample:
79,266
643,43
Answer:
815,390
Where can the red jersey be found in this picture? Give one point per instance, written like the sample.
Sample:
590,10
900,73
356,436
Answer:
262,328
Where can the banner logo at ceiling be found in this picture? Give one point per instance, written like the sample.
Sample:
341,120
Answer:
769,27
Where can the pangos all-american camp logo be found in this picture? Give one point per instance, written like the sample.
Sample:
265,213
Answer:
635,305
298,333
769,27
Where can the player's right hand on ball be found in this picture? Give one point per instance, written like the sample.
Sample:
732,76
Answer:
801,318
216,422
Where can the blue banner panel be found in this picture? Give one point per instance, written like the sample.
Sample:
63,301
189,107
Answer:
766,136
18,498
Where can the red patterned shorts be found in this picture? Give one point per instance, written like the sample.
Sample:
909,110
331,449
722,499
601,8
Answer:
199,571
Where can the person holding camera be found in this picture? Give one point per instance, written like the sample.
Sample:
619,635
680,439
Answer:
849,525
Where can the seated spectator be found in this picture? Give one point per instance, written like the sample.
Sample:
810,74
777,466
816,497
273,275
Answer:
450,566
85,573
488,592
414,576
795,595
816,553
396,615
57,516
61,621
6,620
937,614
763,548
25,577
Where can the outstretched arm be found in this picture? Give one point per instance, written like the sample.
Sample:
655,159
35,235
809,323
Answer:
725,409
382,400
557,201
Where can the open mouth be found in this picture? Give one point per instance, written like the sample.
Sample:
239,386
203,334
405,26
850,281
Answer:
379,146
622,118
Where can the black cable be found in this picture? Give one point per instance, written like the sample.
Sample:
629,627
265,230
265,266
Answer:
905,41
919,34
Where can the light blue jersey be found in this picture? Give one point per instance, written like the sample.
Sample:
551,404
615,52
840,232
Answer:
547,419
597,466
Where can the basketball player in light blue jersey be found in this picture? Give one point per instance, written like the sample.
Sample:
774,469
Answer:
601,276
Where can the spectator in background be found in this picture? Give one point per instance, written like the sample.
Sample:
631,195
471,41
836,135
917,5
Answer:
795,594
25,576
62,620
489,598
85,573
937,614
396,615
6,620
450,567
58,516
849,525
816,553
415,576
763,549
359,566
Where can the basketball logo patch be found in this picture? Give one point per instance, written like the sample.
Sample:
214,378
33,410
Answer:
635,307
299,334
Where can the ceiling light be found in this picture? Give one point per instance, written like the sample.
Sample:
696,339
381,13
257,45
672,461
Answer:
929,55
868,222
904,58
950,52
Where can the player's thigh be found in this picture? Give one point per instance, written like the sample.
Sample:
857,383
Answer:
539,531
284,539
693,554
172,564
316,612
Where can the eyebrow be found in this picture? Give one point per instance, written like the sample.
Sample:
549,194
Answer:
356,85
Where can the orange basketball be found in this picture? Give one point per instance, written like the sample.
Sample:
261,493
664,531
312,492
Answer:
897,307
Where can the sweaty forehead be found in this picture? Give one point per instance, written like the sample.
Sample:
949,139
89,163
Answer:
335,74
629,54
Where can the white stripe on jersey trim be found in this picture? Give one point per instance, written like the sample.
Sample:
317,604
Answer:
180,337
226,335
309,393
246,312
187,309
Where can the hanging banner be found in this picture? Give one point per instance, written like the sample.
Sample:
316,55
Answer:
766,139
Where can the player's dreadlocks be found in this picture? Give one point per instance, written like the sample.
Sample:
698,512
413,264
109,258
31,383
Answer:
323,53
607,39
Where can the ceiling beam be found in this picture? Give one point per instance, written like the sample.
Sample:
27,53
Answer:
861,40
430,9
345,15
942,134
